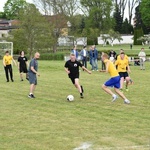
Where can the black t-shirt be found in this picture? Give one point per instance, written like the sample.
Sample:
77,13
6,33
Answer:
22,61
73,67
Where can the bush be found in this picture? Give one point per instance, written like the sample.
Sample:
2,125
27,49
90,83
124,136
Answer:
56,56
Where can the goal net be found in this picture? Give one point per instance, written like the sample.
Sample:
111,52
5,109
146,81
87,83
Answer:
6,46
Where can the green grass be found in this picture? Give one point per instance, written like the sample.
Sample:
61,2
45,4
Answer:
50,122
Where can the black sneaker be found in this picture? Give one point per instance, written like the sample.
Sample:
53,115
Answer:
12,80
21,79
82,89
27,79
81,96
31,96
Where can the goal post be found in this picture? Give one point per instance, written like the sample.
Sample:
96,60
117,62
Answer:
6,46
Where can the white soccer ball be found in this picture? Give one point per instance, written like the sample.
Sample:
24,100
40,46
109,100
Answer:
70,98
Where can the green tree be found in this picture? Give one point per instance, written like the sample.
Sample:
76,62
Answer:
137,34
113,36
34,32
91,35
118,20
98,14
12,8
127,28
145,12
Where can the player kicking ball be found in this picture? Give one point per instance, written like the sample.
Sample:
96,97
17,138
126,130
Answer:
114,81
72,69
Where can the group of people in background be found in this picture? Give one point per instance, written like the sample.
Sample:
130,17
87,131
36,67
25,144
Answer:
116,65
92,54
24,67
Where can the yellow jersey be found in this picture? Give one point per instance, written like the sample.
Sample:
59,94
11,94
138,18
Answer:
125,56
7,59
122,65
111,68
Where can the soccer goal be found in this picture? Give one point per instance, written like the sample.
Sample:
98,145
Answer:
6,46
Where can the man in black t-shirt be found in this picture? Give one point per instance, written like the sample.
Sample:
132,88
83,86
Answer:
22,65
72,69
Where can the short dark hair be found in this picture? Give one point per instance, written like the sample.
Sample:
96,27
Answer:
6,52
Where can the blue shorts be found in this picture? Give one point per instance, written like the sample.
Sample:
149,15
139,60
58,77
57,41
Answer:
113,82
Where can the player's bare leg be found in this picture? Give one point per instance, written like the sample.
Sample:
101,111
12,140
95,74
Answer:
77,85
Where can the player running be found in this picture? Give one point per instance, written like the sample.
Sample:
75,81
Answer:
114,81
72,69
123,70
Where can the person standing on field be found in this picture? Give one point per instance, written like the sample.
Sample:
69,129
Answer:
114,81
72,69
7,60
22,65
33,73
142,57
84,55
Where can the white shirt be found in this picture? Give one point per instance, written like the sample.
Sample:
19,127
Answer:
84,52
142,55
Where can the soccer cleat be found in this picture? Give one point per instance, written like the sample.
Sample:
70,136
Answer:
126,101
31,96
21,79
27,78
114,98
12,80
81,96
82,89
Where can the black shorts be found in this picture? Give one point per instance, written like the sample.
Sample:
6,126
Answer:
72,78
23,69
123,74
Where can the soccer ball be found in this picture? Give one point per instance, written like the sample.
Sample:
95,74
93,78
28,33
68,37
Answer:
70,98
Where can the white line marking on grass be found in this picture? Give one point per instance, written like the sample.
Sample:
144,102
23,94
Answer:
142,147
83,146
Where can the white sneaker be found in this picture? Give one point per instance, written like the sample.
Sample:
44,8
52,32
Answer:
126,101
114,98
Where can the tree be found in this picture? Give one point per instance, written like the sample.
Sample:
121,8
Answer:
99,14
12,8
137,34
118,20
131,6
113,36
34,30
91,35
66,7
127,28
138,21
121,4
145,12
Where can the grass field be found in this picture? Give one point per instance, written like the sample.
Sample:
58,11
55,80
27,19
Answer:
50,122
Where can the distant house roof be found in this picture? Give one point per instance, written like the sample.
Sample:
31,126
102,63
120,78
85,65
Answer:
8,24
